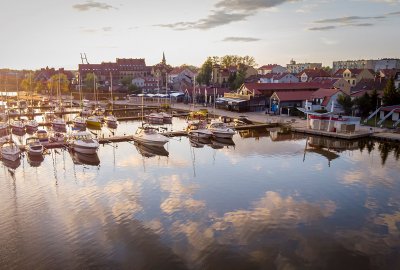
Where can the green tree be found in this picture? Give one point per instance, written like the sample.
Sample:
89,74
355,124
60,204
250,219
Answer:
240,77
346,103
127,81
204,76
364,104
28,84
133,89
59,82
390,95
88,82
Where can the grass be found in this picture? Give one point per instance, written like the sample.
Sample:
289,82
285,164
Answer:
388,123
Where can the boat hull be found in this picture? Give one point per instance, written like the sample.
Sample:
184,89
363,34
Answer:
149,142
84,150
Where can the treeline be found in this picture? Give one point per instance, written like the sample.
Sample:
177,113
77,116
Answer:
235,79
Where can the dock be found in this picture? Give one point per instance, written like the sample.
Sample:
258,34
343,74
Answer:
346,136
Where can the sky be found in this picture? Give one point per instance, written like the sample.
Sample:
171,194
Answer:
40,33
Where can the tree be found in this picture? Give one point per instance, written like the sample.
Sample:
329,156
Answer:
390,95
88,82
133,89
204,76
364,104
240,77
59,82
28,84
328,69
127,81
346,103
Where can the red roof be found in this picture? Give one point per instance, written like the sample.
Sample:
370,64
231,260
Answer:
370,84
387,73
268,67
131,61
362,92
390,108
313,73
339,73
259,87
293,95
325,94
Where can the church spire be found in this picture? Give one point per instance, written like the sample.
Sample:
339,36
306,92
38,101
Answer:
163,59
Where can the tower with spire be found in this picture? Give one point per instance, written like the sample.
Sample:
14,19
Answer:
163,59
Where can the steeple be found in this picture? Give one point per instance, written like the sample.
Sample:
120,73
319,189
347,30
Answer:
163,59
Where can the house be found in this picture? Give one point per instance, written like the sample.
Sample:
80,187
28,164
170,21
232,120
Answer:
339,83
181,73
220,75
296,68
377,84
308,75
138,81
283,102
392,112
353,64
353,76
278,78
387,63
323,98
271,69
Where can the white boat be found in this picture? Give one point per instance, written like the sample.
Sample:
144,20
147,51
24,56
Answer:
198,129
10,151
42,135
86,102
17,125
33,146
57,137
111,120
58,123
220,130
31,124
13,112
167,118
3,128
86,111
155,118
79,122
83,142
93,121
149,136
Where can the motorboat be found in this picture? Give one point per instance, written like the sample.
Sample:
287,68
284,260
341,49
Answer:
83,142
198,129
220,130
13,112
42,135
34,147
149,136
111,120
85,159
155,118
31,124
99,112
10,151
151,150
58,124
57,137
35,160
86,111
17,125
79,122
167,118
94,121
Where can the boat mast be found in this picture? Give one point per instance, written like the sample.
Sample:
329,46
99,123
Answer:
111,88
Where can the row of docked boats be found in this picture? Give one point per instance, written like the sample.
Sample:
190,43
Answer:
201,129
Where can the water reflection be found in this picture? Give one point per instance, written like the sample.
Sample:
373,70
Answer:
84,159
252,203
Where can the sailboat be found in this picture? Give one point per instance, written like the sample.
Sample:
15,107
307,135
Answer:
149,135
110,119
31,125
59,123
94,120
79,122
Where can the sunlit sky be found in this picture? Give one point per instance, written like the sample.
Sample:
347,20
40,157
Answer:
40,33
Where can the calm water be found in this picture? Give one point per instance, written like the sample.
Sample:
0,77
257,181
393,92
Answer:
271,201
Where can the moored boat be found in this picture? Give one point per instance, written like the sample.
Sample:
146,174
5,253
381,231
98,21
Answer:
149,136
83,142
42,135
94,121
33,146
10,151
220,130
31,124
198,129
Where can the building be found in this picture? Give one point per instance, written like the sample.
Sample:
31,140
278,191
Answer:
308,75
122,67
338,83
322,99
387,63
179,74
296,68
353,64
353,76
221,75
274,69
160,72
278,78
284,102
390,112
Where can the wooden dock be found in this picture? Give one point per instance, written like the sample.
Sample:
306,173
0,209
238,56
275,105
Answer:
346,136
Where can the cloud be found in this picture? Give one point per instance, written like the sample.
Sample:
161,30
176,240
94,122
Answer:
226,12
92,5
322,28
349,19
240,39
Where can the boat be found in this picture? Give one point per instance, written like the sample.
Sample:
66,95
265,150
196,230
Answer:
79,122
94,121
13,112
99,112
10,151
31,125
57,137
155,118
34,147
167,118
86,111
49,116
198,129
35,160
110,119
42,135
85,159
151,150
83,142
149,136
59,124
220,130
17,125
